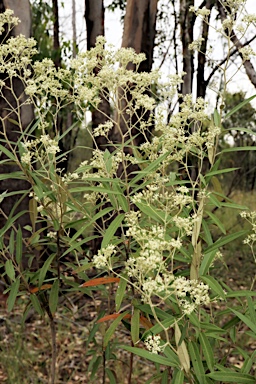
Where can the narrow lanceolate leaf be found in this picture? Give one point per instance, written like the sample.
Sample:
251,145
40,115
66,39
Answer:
214,285
36,304
195,263
112,328
135,326
111,376
54,297
225,240
100,281
216,221
178,377
9,269
245,319
18,253
111,230
239,106
197,362
45,268
207,350
151,356
197,224
120,293
232,377
13,294
182,351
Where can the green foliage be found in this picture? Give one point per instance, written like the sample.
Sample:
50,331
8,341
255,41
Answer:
153,225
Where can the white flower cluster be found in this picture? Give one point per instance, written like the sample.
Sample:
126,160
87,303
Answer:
196,44
204,12
251,238
8,18
247,52
152,343
102,259
190,294
40,149
103,129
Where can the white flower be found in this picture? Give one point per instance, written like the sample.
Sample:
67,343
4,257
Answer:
152,343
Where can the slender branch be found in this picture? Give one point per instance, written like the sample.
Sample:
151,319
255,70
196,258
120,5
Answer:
232,53
249,69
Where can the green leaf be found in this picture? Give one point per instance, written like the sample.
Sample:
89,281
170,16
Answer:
18,254
111,376
120,293
157,215
232,377
95,189
225,240
251,309
178,377
8,154
206,262
36,304
150,356
54,296
182,351
121,198
13,294
207,350
245,319
11,243
135,325
112,328
157,328
220,171
247,365
44,269
196,362
239,106
164,379
151,167
207,232
9,269
216,118
214,285
115,224
237,149
216,221
241,293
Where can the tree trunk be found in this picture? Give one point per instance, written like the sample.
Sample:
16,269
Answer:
139,34
187,20
248,66
140,29
14,100
94,18
56,39
201,56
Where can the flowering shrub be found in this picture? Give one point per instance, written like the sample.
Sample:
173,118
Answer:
155,199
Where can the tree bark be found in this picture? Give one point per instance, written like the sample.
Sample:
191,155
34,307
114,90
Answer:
187,20
94,18
140,29
15,100
201,56
56,39
248,66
